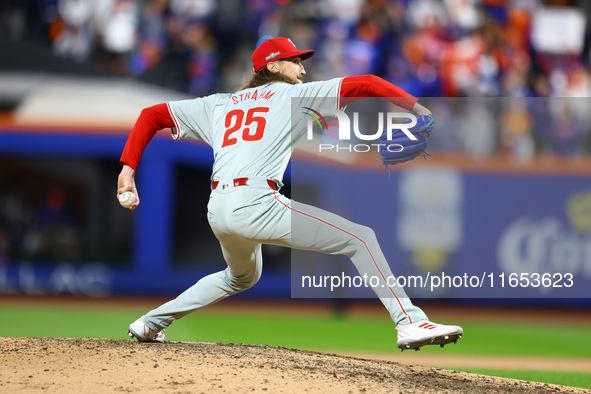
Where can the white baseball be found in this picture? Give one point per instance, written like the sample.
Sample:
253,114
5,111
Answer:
126,199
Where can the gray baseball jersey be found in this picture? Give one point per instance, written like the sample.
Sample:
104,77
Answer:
252,133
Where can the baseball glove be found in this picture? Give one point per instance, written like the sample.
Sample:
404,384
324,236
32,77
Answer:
401,148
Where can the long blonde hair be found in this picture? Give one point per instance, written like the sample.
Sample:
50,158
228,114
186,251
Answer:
263,77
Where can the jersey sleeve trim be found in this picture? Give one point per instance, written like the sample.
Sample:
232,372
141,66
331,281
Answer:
339,86
176,131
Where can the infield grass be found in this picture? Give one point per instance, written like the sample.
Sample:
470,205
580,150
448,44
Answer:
315,332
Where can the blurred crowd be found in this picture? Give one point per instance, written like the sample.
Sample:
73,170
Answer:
430,48
518,71
38,231
517,128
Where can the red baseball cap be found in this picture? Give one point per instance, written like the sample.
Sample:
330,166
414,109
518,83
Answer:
275,49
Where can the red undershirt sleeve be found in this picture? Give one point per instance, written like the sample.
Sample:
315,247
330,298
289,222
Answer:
362,86
151,119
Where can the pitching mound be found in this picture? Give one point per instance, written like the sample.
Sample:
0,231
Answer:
64,365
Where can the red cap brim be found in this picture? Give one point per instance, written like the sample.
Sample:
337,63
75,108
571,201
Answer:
302,54
305,54
278,48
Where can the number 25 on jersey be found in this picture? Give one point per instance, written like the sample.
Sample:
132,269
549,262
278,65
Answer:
250,122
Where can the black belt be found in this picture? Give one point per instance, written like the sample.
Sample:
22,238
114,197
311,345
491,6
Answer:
244,182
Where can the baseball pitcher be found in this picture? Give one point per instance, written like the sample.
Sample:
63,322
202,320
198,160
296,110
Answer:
252,136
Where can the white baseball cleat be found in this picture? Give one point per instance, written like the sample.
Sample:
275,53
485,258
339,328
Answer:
424,332
143,333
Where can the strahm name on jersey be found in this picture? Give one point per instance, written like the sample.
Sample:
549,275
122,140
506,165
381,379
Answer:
263,95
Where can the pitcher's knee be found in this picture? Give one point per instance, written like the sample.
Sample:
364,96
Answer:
243,282
363,238
369,234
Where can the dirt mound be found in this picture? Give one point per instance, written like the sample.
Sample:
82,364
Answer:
68,365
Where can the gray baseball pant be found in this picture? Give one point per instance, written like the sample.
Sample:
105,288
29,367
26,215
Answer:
244,217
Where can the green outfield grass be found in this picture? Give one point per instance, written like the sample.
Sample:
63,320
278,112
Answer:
319,332
573,379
